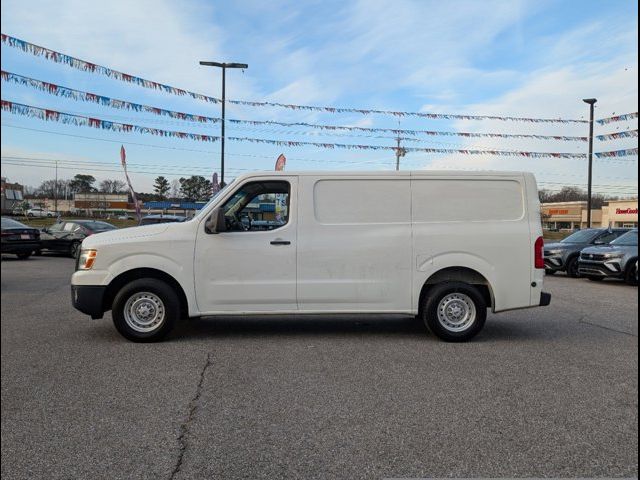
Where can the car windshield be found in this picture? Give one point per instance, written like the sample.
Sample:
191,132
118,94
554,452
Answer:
583,236
97,226
9,223
629,239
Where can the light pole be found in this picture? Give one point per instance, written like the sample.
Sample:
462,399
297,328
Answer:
591,102
224,67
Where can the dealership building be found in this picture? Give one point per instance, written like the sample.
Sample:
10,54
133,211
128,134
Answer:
573,215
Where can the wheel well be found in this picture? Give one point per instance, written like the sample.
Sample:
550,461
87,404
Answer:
458,274
138,273
630,264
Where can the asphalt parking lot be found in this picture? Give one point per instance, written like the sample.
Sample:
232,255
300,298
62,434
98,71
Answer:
543,392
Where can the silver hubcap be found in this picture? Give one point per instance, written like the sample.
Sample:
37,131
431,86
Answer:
144,312
456,312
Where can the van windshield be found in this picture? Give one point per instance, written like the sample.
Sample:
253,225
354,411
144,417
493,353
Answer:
215,195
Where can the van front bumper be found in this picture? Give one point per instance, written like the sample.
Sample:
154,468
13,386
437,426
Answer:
88,299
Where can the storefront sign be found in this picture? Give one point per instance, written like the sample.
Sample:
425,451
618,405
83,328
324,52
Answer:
626,211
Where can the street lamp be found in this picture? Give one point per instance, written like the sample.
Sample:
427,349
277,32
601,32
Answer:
591,102
224,67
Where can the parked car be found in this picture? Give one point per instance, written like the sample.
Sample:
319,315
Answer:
619,259
376,242
124,217
153,219
563,256
66,236
19,239
39,212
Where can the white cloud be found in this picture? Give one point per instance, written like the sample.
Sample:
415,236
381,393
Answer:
161,40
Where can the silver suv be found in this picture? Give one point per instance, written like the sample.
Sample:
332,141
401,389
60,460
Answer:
563,256
619,259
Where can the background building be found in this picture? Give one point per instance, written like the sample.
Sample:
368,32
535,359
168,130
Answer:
573,215
621,213
11,195
96,203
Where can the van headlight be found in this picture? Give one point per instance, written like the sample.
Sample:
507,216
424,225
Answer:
86,259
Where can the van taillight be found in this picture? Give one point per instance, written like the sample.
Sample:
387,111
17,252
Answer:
539,253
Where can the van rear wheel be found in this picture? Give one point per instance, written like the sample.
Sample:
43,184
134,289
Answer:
145,310
455,311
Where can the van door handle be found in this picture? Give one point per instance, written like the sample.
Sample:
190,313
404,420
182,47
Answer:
280,242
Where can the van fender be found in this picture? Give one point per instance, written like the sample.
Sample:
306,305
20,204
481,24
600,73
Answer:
428,268
181,274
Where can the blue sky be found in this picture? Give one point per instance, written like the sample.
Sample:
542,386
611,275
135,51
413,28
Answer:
520,58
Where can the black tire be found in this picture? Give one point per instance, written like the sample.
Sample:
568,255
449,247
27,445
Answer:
631,275
23,256
595,279
431,304
572,268
158,288
74,249
550,272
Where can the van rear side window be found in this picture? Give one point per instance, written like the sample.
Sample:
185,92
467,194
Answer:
442,200
362,201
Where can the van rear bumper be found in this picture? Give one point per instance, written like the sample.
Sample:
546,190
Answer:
88,299
545,299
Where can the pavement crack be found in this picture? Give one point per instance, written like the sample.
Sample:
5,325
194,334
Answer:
584,320
184,427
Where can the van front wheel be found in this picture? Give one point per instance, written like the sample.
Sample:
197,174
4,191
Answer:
145,310
455,311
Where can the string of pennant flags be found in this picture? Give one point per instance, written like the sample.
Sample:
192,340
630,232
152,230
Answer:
83,65
79,120
618,153
79,95
82,121
342,146
617,118
78,64
618,135
399,131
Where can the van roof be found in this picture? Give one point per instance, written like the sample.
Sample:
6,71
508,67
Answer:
386,173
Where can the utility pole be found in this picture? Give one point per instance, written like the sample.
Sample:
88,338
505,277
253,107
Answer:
55,192
224,67
591,102
400,152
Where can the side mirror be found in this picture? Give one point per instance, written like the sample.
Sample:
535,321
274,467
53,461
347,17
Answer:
215,223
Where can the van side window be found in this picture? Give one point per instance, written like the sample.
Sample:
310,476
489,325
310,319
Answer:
258,206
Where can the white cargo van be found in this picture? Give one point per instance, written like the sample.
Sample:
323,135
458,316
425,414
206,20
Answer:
445,246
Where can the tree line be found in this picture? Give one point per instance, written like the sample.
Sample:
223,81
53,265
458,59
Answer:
574,194
192,189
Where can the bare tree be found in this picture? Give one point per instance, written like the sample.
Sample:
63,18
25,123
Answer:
112,186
